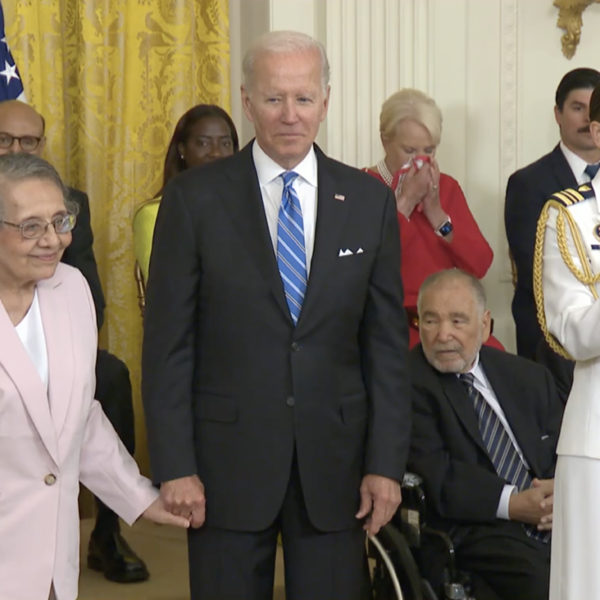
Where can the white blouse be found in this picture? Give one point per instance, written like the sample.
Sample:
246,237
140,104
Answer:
31,332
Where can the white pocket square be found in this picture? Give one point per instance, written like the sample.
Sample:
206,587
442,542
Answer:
348,252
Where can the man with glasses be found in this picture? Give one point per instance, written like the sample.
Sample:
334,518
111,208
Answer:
22,130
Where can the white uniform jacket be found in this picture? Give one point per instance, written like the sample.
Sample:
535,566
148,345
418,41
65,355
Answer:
572,309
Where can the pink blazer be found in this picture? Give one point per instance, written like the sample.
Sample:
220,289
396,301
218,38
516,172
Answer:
51,440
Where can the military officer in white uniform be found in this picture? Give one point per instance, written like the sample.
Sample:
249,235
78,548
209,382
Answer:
567,290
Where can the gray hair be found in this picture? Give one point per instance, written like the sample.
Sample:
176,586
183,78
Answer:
414,105
21,167
449,275
284,42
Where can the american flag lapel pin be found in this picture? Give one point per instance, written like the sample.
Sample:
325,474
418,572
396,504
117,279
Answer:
339,197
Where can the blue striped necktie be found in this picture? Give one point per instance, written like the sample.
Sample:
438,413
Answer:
291,254
501,450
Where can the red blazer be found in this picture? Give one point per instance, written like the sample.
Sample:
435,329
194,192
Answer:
424,252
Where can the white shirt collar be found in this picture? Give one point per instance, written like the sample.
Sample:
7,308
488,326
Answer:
476,371
576,163
267,169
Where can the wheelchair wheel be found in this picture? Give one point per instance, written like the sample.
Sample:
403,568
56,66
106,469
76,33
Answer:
395,575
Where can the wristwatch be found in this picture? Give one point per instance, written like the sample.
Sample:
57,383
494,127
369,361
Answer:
445,228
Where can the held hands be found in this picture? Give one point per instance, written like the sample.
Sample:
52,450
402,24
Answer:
157,513
534,505
184,497
379,500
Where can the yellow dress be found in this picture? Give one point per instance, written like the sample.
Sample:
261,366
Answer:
143,230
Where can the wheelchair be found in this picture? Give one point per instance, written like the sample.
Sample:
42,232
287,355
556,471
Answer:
394,554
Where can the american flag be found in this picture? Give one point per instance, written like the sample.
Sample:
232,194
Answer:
11,86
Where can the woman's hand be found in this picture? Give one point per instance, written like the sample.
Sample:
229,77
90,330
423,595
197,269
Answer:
431,202
413,190
159,514
431,206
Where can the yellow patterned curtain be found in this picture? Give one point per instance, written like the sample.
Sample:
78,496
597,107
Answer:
112,77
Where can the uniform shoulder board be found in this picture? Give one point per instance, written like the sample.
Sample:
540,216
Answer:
573,196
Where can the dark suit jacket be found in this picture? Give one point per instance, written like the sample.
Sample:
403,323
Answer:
526,193
462,486
232,390
80,254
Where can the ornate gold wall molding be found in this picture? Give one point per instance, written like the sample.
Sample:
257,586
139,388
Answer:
570,19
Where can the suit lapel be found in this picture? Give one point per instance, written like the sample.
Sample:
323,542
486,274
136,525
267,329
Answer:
509,401
19,367
331,219
463,407
59,342
247,212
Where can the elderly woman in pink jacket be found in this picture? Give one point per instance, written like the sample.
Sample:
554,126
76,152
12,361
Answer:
53,434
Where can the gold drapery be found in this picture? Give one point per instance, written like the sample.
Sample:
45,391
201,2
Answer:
111,78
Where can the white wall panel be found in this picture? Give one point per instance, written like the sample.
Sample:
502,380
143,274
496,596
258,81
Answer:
491,65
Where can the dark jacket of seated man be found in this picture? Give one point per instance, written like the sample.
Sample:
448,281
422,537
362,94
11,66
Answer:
490,521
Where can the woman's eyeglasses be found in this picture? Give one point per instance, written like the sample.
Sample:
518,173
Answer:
33,229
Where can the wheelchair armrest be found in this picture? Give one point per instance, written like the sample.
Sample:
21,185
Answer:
413,494
411,520
411,515
411,480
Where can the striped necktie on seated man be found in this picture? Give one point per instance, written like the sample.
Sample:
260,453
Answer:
501,450
291,253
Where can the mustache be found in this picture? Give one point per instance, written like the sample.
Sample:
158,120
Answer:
585,129
447,348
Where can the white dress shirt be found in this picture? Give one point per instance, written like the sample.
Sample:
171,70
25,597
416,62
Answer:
271,189
483,386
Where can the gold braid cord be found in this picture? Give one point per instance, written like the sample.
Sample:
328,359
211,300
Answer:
585,276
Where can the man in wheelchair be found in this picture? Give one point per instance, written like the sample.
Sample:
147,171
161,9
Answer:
485,428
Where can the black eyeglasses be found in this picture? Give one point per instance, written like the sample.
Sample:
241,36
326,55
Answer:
28,143
34,229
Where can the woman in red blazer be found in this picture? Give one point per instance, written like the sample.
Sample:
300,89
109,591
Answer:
437,229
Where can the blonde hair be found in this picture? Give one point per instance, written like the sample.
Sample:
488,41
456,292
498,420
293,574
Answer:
410,104
284,42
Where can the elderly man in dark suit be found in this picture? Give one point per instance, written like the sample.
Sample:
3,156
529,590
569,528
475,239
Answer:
22,130
485,428
274,372
569,165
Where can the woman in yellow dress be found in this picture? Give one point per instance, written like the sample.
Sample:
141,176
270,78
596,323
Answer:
203,134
